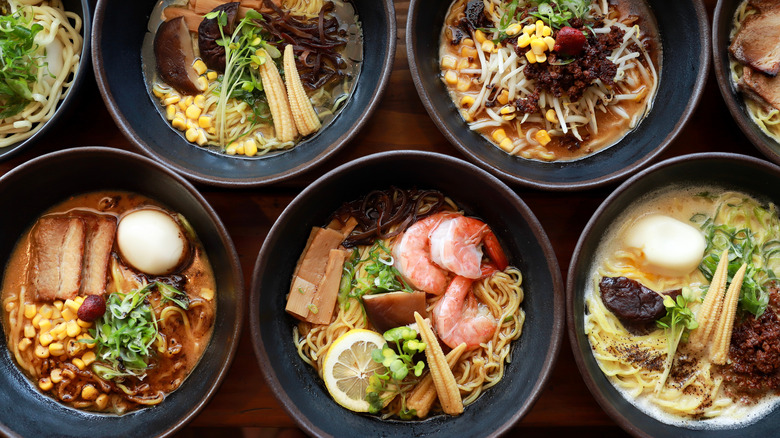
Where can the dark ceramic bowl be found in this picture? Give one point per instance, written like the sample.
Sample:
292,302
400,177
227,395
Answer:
120,28
753,176
721,28
298,387
84,10
684,31
37,185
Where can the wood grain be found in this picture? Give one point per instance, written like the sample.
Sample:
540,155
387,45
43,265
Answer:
400,122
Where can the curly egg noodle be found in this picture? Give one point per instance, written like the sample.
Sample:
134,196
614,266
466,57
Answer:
476,370
59,44
633,362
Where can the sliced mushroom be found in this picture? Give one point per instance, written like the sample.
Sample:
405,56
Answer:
174,54
393,309
208,34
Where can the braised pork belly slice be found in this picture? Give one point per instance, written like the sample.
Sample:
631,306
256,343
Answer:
100,240
757,43
761,87
58,253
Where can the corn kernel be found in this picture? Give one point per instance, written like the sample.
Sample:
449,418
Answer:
73,329
542,137
204,122
530,29
24,344
56,375
529,55
514,29
212,76
41,352
172,99
179,123
467,42
102,401
212,130
170,112
56,349
56,314
59,328
250,147
503,97
83,324
36,321
201,138
192,134
463,84
199,66
45,384
539,27
499,134
69,314
466,101
9,306
550,42
480,36
507,110
159,93
469,52
72,305
448,62
61,336
546,31
193,112
538,46
58,305
45,339
207,293
541,58
551,116
87,337
79,363
89,392
200,101
45,311
44,325
488,46
29,311
466,116
29,331
79,300
88,357
546,155
240,148
463,63
231,149
451,77
506,144
188,101
202,84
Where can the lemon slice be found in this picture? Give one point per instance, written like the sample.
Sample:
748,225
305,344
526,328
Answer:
348,367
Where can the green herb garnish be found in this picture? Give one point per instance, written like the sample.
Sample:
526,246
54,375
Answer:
124,335
676,323
18,63
557,14
399,362
381,276
170,293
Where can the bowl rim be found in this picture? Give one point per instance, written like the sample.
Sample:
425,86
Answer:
558,316
571,294
85,63
236,272
693,102
733,101
129,132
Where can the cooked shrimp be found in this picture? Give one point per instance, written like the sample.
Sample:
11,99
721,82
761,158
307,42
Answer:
445,242
459,318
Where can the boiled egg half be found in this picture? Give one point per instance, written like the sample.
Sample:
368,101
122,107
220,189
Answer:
669,247
151,241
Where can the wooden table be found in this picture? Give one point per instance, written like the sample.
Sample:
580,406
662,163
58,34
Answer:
244,403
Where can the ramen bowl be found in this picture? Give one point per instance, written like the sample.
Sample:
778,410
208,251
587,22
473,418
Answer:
683,71
120,28
757,178
37,185
722,25
297,385
84,10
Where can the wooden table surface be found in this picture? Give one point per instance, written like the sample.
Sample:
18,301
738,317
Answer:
243,402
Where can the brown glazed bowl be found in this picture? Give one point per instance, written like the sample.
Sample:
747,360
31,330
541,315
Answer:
684,31
84,9
721,29
298,387
753,176
35,186
120,28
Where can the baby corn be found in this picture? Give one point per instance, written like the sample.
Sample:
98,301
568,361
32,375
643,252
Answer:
720,347
303,114
277,100
709,314
443,379
424,394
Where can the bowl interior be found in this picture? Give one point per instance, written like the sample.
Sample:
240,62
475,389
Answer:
297,385
36,186
84,10
120,28
721,29
685,59
728,171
